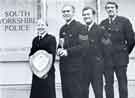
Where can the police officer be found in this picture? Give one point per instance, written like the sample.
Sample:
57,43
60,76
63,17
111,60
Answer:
72,41
119,34
93,60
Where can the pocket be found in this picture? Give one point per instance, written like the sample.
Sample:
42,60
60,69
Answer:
99,60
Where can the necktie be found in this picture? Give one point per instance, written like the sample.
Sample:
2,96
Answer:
40,37
88,28
111,20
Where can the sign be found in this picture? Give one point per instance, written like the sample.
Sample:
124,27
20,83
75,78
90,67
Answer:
17,22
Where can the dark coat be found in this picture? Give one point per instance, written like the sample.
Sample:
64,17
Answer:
44,88
73,35
75,40
94,62
94,58
48,43
121,34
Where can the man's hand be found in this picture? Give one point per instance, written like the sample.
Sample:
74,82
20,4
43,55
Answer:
62,52
106,41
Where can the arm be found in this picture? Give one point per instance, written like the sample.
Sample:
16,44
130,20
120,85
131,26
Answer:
83,42
53,47
61,39
81,38
33,48
129,35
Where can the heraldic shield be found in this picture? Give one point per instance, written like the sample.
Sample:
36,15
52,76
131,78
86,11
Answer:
40,63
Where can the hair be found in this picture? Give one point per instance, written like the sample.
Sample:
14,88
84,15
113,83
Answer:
87,8
112,2
70,5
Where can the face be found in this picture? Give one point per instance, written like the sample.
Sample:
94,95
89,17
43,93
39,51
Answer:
88,16
67,13
111,10
41,28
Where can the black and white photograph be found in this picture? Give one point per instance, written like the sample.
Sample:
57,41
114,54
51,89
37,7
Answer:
67,49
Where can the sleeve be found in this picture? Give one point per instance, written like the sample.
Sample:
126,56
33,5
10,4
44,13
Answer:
129,35
103,41
53,47
33,48
105,35
61,35
82,42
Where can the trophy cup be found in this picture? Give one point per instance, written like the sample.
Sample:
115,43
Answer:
61,42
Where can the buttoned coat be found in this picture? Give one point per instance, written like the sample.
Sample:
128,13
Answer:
94,58
94,62
44,88
71,66
74,42
121,34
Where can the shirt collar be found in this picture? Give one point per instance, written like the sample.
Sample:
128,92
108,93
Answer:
90,26
42,36
112,19
69,21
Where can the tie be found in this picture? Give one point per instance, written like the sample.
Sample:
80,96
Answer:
40,37
111,20
88,28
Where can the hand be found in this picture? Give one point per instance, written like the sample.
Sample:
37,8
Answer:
106,41
62,52
58,51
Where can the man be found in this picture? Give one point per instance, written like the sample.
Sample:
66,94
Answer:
93,60
43,87
120,37
72,41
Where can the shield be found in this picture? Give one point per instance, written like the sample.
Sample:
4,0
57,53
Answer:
41,62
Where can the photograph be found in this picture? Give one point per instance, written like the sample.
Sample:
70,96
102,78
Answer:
67,49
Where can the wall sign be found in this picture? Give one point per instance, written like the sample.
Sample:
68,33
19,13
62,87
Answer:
17,22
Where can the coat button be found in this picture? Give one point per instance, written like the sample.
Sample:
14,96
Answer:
64,33
92,40
109,35
109,28
70,35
